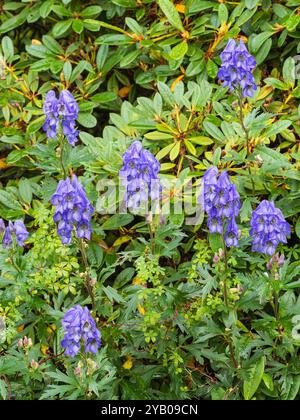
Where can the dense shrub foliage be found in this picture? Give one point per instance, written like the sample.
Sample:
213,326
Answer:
197,296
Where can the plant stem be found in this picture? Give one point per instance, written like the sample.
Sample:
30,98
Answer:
62,146
12,261
276,305
87,269
225,295
246,131
225,291
152,238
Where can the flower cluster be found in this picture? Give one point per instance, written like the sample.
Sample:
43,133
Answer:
237,67
139,176
17,230
80,328
222,204
73,209
63,110
268,228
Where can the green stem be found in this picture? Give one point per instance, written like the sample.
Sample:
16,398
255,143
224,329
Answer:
152,238
12,261
225,295
87,269
62,146
246,131
225,291
276,305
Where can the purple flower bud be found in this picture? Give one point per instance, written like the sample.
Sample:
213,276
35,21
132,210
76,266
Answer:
216,258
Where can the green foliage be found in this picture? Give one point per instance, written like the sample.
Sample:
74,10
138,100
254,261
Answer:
147,70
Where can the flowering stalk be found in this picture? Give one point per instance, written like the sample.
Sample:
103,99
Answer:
273,265
62,147
236,73
246,131
87,270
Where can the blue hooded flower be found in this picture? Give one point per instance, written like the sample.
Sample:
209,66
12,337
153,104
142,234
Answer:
237,67
268,228
80,329
72,210
17,230
139,176
221,202
64,111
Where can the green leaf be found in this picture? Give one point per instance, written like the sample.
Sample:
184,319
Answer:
112,294
288,71
190,147
101,56
175,151
91,11
116,221
46,8
214,131
215,241
77,26
129,58
86,120
9,201
201,140
104,97
164,151
158,135
52,45
171,13
256,374
277,127
14,22
223,13
35,125
179,51
256,41
67,69
297,227
60,28
25,190
3,390
7,47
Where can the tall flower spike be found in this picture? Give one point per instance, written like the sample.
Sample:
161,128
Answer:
68,110
139,176
80,329
62,111
221,202
268,228
50,108
72,210
237,67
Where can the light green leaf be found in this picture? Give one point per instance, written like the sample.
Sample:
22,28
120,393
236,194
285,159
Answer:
171,13
256,374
